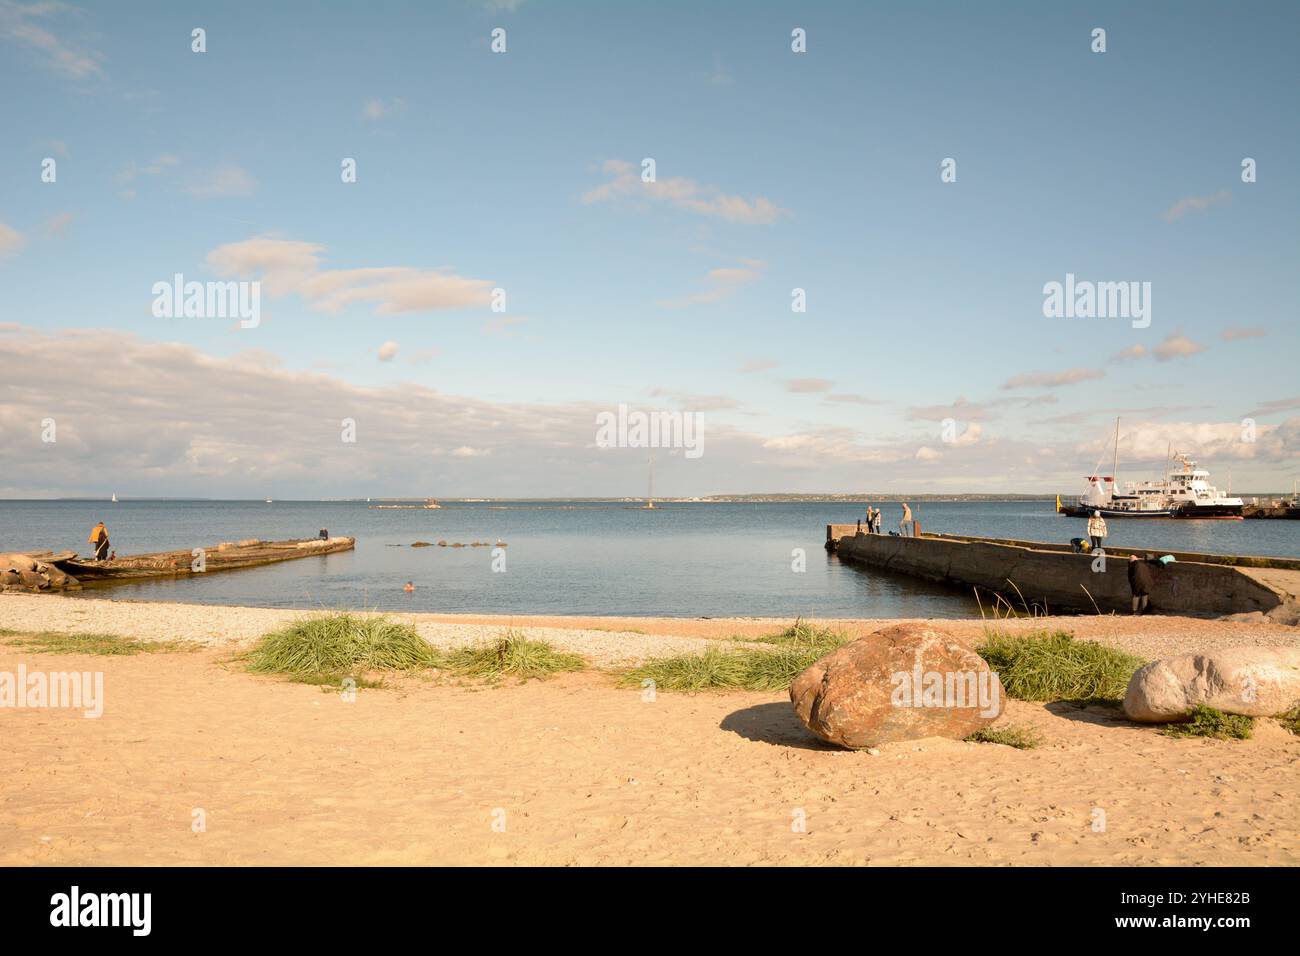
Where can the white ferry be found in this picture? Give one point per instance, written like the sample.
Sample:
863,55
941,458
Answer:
1184,493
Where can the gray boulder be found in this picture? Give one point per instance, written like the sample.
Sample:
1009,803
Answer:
1252,681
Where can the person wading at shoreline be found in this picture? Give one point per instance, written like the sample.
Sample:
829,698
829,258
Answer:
1096,529
99,538
1140,581
905,525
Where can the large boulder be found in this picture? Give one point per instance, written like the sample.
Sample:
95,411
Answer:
21,572
900,683
17,562
1254,681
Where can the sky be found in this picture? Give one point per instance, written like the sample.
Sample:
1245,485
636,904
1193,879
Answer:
923,361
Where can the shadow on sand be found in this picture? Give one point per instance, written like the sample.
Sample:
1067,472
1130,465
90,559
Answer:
773,724
1089,712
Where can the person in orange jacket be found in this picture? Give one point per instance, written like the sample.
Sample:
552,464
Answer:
99,538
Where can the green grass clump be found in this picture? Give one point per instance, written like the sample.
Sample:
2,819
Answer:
1210,722
803,634
513,655
326,649
1022,738
109,645
1052,665
1291,720
715,668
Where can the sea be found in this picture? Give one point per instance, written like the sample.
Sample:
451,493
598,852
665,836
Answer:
689,559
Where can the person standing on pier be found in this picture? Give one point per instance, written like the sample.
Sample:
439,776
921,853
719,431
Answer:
905,525
99,538
1096,529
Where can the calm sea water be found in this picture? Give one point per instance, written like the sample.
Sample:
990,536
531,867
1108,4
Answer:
690,560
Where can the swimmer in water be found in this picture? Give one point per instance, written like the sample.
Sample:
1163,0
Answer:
410,586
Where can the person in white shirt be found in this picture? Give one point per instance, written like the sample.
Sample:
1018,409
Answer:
1096,529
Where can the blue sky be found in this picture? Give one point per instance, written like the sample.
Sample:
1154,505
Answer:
816,170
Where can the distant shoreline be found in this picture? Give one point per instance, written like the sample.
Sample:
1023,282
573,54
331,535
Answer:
780,498
701,499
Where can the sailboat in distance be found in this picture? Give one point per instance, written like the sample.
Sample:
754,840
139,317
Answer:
650,492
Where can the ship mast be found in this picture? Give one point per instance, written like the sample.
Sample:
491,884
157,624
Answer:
1114,468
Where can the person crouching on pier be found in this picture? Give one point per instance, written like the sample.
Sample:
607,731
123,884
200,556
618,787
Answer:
1096,529
1140,581
99,538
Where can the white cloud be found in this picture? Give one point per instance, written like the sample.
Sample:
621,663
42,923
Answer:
11,240
1052,379
294,267
720,284
376,109
388,351
1194,204
1242,332
1176,346
268,427
969,436
56,227
681,193
18,23
804,385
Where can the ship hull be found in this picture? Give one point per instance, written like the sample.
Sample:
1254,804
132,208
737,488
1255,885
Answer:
1209,511
1074,511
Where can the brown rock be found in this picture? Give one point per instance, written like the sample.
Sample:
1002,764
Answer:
34,580
901,683
1254,681
16,562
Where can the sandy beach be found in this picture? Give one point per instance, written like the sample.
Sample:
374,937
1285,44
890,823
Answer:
575,770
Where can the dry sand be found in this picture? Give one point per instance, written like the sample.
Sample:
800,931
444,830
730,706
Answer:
580,771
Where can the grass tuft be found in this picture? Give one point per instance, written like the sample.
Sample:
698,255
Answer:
1210,722
108,645
513,655
1052,665
1022,738
1291,720
803,634
326,649
715,668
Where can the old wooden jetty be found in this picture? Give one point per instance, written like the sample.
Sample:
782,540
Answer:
227,556
1044,577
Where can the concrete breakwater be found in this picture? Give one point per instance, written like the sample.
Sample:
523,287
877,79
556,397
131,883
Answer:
1051,577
